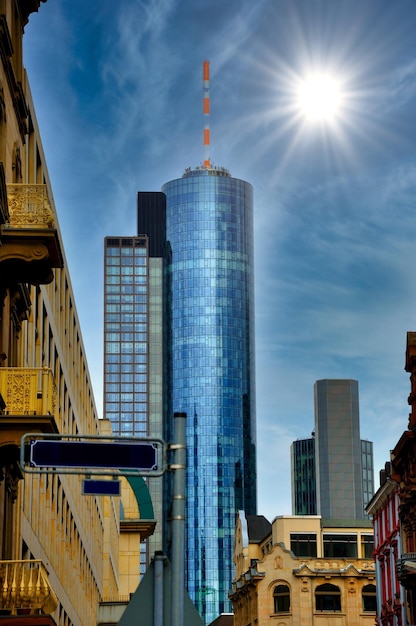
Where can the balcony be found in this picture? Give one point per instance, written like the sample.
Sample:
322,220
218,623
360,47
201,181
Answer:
25,589
30,246
29,394
406,569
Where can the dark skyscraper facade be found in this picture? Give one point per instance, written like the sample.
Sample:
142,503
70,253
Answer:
209,226
302,457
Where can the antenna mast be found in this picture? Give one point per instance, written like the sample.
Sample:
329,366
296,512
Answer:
207,138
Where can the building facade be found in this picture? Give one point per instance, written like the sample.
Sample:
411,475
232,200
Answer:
403,464
209,226
300,572
393,509
320,463
59,553
384,509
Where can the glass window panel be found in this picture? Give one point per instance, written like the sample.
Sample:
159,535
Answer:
338,545
281,597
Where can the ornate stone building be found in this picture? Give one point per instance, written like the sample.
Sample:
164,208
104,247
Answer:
59,550
303,571
384,509
403,472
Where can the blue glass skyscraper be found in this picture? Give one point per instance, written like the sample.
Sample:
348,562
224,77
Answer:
209,227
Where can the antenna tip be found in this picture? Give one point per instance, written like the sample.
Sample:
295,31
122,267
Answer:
205,70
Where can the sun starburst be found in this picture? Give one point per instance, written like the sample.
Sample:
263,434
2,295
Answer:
319,97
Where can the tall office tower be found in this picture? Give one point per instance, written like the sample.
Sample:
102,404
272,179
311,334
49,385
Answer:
133,340
209,223
339,475
126,376
151,220
332,472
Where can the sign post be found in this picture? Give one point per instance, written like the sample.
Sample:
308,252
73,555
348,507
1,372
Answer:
108,456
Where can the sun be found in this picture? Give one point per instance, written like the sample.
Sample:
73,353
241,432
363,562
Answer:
319,97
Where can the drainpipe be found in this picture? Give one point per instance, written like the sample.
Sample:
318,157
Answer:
158,598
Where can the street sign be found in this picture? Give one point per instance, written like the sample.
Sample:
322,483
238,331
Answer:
95,487
130,455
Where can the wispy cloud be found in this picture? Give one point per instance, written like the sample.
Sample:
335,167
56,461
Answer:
402,87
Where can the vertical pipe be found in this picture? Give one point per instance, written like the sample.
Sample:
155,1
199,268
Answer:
207,106
178,520
158,591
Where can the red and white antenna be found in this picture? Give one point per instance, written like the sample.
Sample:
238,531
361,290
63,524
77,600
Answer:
207,138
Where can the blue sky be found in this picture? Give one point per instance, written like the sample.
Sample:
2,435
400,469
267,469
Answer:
117,88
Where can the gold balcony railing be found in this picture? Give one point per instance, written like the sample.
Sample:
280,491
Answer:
25,588
30,247
28,390
29,206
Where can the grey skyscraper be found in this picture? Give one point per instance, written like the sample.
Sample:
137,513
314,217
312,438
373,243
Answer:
335,466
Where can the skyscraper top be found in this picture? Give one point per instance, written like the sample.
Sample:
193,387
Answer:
212,170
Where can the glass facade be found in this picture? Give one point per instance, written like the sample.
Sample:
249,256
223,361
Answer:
368,470
209,226
133,354
303,477
126,305
125,335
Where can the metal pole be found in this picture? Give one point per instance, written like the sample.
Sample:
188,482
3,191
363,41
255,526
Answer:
178,520
158,599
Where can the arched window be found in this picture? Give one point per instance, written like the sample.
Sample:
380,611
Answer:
369,598
328,598
281,597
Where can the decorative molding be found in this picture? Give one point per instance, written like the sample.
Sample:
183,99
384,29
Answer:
23,252
29,206
28,391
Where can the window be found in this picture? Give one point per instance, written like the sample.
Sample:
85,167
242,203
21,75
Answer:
367,546
340,546
303,544
369,599
328,598
281,597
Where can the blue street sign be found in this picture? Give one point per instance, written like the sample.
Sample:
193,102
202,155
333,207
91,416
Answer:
136,455
95,487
